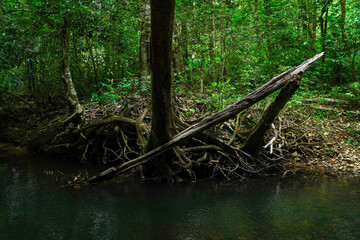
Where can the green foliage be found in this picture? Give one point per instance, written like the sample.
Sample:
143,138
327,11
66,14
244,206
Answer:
263,38
103,43
221,94
112,91
227,48
350,91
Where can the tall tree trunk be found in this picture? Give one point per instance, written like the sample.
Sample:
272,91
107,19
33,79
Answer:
76,55
225,22
313,25
213,41
184,41
162,20
70,89
223,54
145,25
107,60
211,48
31,79
323,25
93,61
176,57
342,26
354,72
343,16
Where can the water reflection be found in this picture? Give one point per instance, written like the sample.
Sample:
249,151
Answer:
33,206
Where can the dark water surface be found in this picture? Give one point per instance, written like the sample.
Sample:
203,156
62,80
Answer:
34,206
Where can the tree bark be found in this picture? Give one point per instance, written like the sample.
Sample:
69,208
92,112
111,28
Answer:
229,112
255,140
30,73
93,60
76,55
343,17
176,59
70,89
162,20
145,24
323,24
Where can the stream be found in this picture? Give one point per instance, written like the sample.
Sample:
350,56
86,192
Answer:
33,205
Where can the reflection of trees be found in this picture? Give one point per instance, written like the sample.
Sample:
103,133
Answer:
110,217
18,196
223,216
310,208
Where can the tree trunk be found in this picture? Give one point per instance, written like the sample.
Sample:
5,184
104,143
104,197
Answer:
93,60
256,138
30,73
145,24
323,25
313,24
342,27
162,20
70,89
76,55
184,42
176,59
343,16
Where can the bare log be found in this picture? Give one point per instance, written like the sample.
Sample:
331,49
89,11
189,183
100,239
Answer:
229,112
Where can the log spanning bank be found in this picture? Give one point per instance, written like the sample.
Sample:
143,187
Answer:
290,78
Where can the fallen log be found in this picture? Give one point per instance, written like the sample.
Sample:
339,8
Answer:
221,116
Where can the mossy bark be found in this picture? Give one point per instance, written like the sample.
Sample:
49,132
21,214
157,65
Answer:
70,89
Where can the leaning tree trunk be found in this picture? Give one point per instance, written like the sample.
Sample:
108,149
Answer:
293,74
70,89
255,140
162,20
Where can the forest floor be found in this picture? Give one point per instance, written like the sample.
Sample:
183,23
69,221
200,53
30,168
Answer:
334,136
322,138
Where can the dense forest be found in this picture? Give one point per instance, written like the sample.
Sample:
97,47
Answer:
108,81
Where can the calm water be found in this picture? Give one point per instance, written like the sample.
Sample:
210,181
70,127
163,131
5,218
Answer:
34,206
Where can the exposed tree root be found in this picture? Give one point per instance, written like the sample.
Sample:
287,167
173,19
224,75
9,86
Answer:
108,120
